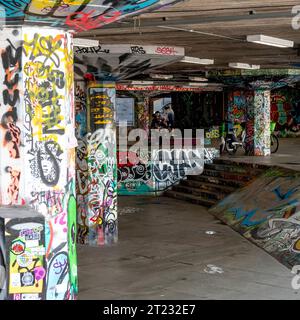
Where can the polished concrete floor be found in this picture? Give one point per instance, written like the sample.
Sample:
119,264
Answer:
166,251
288,155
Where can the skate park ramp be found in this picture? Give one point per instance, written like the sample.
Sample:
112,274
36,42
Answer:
267,212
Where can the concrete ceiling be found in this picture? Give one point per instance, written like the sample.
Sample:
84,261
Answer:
220,30
122,61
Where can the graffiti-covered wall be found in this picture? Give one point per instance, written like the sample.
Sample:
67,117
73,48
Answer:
154,177
37,162
96,164
285,109
267,212
237,104
149,177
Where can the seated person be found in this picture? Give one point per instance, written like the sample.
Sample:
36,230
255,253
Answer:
158,122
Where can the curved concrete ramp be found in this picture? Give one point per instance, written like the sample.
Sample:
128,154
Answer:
267,212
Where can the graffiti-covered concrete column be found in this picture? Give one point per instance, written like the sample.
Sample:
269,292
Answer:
262,114
37,164
258,123
97,200
143,116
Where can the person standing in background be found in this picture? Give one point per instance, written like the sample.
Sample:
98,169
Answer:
170,116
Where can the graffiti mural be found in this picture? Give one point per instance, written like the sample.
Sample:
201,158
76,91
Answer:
79,15
169,167
267,212
155,177
101,108
37,162
135,179
97,169
80,109
238,103
50,148
11,114
285,111
142,113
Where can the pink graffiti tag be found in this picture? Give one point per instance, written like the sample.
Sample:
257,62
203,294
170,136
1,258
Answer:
62,221
39,273
168,51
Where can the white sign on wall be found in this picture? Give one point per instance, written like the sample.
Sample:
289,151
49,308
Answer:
125,110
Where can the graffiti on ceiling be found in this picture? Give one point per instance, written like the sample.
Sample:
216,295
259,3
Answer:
268,79
122,61
77,15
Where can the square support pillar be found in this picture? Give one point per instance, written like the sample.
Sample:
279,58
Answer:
37,156
97,168
262,116
258,141
142,110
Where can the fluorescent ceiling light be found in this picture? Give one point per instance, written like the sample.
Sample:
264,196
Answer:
198,79
197,60
270,41
205,84
238,65
161,76
137,83
198,84
87,43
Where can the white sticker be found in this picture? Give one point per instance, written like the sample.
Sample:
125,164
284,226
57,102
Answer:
2,277
32,243
27,279
24,260
15,280
61,288
38,251
30,296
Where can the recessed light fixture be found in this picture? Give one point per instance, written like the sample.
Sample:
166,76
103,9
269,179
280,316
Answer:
270,41
138,83
198,84
204,84
198,79
238,65
86,43
161,76
197,60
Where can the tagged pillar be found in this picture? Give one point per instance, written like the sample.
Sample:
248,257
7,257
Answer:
37,163
97,167
258,142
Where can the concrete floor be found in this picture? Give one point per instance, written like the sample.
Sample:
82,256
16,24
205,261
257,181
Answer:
163,251
288,155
